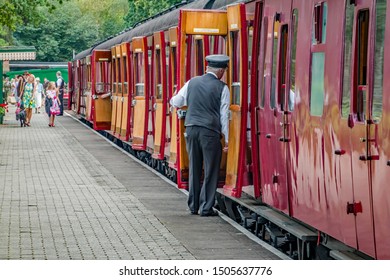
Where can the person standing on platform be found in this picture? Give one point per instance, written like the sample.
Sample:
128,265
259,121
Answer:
52,103
208,100
28,98
38,95
19,88
60,84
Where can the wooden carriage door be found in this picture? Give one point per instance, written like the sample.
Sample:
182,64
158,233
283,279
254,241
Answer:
192,25
119,90
238,72
125,67
140,100
272,114
160,89
87,94
114,83
101,107
173,61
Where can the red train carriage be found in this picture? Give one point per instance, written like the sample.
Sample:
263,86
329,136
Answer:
327,144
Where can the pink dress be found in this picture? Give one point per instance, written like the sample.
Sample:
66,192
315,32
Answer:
55,107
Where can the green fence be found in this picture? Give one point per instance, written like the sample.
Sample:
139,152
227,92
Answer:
49,73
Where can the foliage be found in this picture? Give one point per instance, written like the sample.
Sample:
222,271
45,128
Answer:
108,14
59,33
18,12
3,108
58,28
142,9
73,27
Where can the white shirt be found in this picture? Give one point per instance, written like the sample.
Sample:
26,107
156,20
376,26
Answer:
58,83
180,100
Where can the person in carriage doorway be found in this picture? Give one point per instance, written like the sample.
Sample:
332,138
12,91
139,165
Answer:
208,99
60,84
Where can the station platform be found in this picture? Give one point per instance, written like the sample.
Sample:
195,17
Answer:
66,193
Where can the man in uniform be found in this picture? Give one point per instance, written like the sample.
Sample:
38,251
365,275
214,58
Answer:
60,84
206,120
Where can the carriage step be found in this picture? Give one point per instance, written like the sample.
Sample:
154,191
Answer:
344,255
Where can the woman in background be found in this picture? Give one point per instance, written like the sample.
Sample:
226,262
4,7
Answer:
38,96
28,99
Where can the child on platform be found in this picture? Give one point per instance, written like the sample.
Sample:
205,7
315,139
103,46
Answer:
52,103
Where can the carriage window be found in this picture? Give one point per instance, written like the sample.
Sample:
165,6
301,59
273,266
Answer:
378,63
89,76
139,75
250,45
200,57
291,96
274,62
158,75
125,78
174,63
359,105
235,67
317,84
261,62
319,23
283,64
346,99
119,70
113,77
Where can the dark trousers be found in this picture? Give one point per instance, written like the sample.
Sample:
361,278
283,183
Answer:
61,98
204,149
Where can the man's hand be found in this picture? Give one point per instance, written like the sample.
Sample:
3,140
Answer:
226,148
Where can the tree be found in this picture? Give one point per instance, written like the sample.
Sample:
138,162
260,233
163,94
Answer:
142,9
60,33
76,25
17,12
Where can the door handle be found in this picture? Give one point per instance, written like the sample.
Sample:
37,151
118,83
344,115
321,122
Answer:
339,152
365,158
285,140
388,163
268,136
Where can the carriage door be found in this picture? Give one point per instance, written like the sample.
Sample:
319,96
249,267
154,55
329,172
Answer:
273,116
173,61
113,88
380,113
101,107
125,58
362,127
194,25
140,102
160,94
119,90
238,72
70,84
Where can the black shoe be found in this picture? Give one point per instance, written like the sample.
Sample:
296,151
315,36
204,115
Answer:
194,212
210,214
